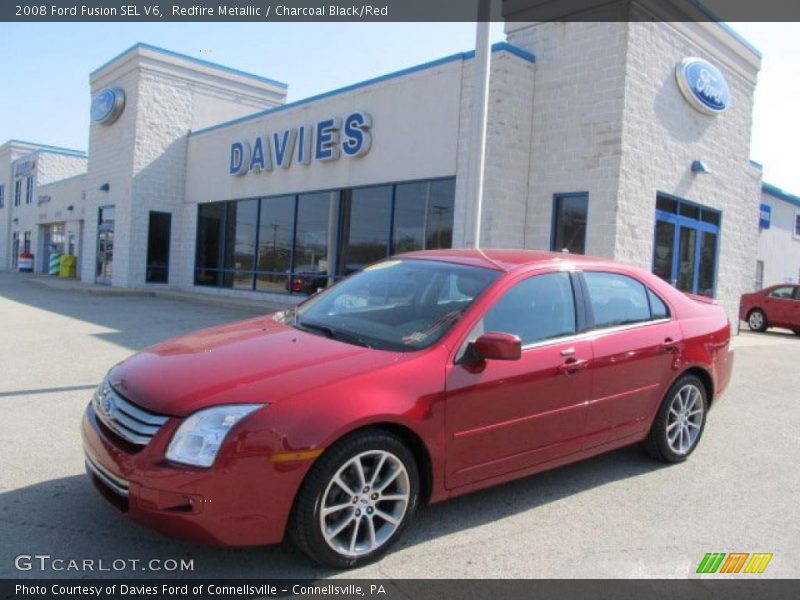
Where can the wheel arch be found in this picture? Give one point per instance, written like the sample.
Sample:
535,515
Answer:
410,438
704,376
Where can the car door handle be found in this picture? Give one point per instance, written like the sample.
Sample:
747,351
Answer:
669,345
571,365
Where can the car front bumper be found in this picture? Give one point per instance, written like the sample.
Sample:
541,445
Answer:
244,500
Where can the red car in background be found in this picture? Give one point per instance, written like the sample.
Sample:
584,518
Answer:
775,306
422,377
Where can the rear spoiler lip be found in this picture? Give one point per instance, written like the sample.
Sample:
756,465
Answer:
701,299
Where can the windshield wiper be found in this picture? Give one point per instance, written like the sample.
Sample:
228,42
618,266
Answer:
333,333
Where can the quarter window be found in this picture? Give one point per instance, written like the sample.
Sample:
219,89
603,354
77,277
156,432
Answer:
617,299
658,310
536,309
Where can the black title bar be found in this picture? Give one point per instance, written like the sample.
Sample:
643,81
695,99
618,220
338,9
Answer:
396,10
399,589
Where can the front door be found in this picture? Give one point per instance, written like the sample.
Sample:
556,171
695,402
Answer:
503,416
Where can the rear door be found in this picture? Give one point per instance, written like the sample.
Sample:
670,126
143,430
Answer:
634,346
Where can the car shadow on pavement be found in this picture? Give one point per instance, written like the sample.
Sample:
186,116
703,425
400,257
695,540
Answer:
67,519
133,321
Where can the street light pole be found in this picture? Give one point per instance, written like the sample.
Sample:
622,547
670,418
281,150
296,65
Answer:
480,107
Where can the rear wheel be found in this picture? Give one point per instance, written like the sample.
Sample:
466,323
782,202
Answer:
757,320
356,501
680,421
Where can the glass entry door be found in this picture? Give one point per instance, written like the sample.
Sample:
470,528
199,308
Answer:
685,246
105,244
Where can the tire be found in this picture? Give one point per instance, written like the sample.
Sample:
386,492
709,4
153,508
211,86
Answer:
757,320
367,524
677,428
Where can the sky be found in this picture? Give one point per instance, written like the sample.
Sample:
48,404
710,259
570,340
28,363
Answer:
46,82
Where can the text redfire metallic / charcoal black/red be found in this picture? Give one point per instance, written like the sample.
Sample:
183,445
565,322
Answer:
424,376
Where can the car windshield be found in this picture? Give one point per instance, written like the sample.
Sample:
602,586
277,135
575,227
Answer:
400,305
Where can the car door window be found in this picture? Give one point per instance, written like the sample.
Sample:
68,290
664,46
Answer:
535,309
619,300
782,292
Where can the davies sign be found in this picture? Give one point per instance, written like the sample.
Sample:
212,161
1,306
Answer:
703,85
324,140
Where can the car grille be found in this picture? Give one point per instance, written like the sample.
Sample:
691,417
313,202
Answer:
132,423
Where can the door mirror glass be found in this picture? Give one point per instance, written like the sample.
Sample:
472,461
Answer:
498,346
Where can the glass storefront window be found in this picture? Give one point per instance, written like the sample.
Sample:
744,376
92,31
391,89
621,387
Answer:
423,215
365,227
315,252
301,243
241,248
569,223
275,234
210,240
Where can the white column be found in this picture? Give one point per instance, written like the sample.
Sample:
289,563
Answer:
480,106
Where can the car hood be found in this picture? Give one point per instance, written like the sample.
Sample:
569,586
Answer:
257,360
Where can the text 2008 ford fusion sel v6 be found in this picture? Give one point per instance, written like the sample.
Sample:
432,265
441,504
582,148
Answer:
422,377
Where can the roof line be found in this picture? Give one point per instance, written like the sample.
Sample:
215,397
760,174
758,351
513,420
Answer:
777,192
497,47
193,59
699,5
45,148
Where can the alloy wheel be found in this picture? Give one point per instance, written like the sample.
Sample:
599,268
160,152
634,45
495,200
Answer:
364,503
685,419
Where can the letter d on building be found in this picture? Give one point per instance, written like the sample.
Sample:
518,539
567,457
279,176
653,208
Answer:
240,158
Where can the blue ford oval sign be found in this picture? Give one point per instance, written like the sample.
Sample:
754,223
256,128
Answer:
703,85
107,105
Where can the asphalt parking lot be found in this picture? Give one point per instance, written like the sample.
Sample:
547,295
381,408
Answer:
618,515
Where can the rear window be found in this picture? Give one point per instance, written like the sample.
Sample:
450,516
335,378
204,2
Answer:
617,299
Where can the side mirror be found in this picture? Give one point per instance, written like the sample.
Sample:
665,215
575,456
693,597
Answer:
498,346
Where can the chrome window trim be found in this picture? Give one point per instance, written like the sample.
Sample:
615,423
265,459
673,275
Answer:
595,333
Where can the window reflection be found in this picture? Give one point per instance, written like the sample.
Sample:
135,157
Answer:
301,243
423,215
275,233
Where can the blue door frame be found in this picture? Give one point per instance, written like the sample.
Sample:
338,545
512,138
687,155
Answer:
701,227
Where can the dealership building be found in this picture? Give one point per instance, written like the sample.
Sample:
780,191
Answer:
622,139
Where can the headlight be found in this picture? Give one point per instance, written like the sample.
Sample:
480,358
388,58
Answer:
199,438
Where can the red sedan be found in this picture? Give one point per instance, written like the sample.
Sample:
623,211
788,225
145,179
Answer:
422,377
775,306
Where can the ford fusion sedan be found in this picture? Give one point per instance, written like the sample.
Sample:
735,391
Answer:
775,306
420,378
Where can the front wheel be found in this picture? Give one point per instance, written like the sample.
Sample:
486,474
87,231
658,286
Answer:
680,421
356,500
757,320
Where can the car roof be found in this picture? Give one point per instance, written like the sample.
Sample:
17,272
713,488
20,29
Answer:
507,259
